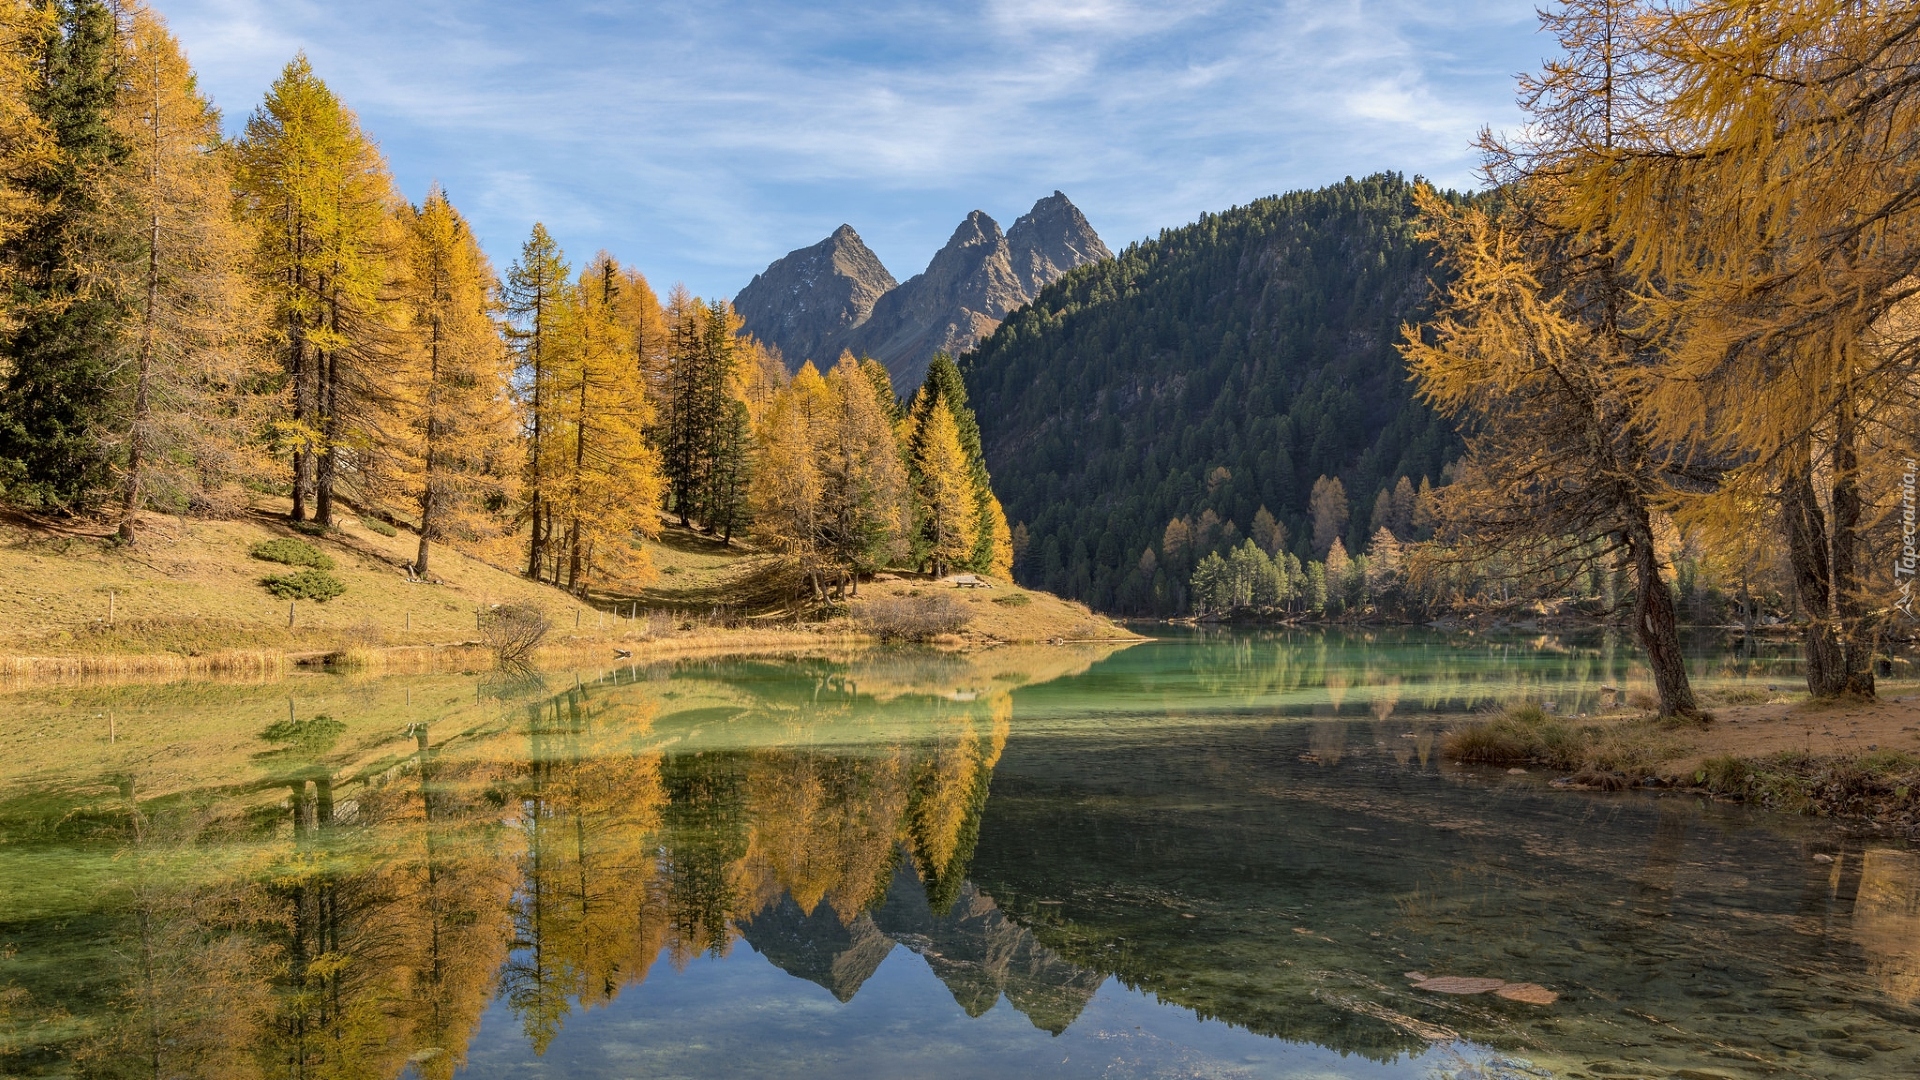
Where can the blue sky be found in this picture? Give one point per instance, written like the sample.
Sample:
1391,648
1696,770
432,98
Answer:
700,141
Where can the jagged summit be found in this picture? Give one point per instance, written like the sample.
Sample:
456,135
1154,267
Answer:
807,304
1051,239
813,294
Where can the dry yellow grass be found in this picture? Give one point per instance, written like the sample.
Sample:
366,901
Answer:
186,602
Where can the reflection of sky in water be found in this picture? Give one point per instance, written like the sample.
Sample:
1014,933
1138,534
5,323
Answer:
1213,856
743,1016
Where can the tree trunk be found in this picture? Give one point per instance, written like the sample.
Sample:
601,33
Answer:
300,366
427,524
536,543
329,422
143,388
1849,588
1655,625
1807,551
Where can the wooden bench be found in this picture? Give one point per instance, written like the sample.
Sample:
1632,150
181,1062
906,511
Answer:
970,581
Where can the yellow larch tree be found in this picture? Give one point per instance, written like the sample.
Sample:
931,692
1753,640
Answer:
186,420
865,507
24,140
1770,197
946,492
787,493
606,481
319,198
447,450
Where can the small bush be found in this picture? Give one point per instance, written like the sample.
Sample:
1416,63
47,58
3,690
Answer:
1520,735
310,528
375,525
290,552
513,631
1725,775
912,618
309,584
1018,599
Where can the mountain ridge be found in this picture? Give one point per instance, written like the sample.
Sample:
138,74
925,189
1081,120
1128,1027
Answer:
817,301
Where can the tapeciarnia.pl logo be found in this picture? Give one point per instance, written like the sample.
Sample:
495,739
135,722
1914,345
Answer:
1909,560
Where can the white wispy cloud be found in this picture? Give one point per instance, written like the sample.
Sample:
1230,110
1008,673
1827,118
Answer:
701,141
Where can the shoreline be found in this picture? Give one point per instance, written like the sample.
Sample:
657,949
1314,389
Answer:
25,671
1847,760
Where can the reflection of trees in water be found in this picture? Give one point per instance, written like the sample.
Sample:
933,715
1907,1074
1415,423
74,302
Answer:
1388,669
360,923
1886,921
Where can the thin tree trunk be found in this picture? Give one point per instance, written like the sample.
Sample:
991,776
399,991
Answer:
536,543
1807,551
301,366
143,389
1849,600
429,505
329,388
1655,623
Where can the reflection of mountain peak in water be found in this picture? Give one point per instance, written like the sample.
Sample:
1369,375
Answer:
974,949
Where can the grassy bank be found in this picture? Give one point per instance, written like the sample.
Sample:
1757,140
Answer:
1852,759
192,600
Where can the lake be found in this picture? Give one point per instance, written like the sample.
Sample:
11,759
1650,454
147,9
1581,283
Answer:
1214,855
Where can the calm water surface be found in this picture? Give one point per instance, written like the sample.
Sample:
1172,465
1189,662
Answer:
1203,857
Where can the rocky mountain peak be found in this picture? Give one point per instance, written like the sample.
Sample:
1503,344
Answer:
1051,239
813,294
810,303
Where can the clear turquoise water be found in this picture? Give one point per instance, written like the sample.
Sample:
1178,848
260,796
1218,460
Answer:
1219,855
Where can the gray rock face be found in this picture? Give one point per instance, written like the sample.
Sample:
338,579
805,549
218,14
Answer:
973,948
972,283
813,295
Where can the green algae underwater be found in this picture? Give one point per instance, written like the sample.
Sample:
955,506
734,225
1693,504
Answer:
1208,856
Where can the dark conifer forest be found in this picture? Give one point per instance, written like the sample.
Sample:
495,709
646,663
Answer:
1221,368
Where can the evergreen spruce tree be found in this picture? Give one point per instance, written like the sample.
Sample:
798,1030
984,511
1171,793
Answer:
719,494
63,351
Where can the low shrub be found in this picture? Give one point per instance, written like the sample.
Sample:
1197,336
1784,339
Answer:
1519,735
375,525
1526,735
513,631
1018,599
310,528
912,618
309,584
290,552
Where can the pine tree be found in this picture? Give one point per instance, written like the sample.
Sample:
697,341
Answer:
718,495
318,194
538,289
63,352
447,450
185,426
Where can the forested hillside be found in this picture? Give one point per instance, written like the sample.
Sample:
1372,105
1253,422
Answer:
1222,368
